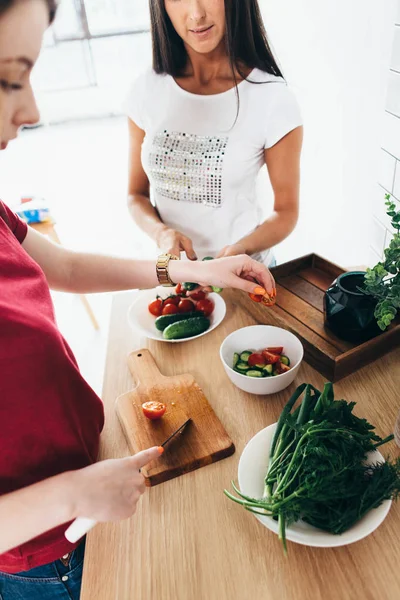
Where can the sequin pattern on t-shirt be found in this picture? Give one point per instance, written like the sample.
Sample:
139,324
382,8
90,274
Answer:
188,167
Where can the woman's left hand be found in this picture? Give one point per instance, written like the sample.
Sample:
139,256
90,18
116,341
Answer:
232,250
241,272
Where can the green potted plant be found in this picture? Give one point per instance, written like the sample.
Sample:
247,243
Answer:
359,305
382,282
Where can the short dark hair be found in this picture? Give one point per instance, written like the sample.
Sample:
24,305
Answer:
5,5
246,39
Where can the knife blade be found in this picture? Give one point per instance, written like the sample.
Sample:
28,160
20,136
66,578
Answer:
179,430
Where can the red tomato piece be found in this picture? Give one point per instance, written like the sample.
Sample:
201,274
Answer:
256,297
179,290
268,301
153,410
199,295
155,307
172,300
275,350
186,306
170,309
270,358
206,306
256,359
281,368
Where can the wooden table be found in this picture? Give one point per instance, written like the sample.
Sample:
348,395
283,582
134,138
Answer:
187,540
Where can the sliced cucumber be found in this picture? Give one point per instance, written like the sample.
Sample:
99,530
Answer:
189,286
261,367
186,328
242,366
268,369
235,359
254,373
285,360
245,355
162,322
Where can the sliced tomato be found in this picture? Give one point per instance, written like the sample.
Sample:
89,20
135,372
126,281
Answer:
172,300
199,295
275,349
255,297
153,410
186,306
270,359
155,307
256,359
281,368
206,306
268,301
170,309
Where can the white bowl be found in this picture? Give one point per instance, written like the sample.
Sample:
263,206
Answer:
253,465
143,322
257,337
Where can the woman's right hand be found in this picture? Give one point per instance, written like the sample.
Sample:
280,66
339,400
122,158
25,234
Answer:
110,489
174,242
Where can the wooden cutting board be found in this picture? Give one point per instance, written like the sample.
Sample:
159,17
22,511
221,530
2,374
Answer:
203,441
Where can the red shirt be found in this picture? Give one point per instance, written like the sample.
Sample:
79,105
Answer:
50,417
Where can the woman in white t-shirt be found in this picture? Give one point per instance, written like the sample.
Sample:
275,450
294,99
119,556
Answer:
213,110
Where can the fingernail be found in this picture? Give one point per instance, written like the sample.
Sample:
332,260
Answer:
160,450
259,291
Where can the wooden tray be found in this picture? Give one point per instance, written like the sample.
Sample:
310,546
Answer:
204,440
301,286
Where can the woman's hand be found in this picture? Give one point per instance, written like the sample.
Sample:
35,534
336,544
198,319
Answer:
232,250
174,242
110,490
241,272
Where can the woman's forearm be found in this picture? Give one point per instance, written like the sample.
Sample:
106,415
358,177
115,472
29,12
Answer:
31,511
145,215
97,273
273,231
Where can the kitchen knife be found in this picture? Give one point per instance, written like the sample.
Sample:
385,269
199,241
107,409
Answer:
82,525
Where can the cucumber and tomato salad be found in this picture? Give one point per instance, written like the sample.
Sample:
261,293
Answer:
265,363
179,317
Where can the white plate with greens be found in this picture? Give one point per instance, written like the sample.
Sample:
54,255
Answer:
252,469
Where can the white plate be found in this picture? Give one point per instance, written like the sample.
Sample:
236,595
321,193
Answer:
142,321
253,466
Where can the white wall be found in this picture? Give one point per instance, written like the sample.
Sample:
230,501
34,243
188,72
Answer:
335,54
389,175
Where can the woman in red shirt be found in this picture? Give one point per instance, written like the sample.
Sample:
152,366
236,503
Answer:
50,418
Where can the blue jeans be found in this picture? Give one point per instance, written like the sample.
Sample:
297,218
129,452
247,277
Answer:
54,581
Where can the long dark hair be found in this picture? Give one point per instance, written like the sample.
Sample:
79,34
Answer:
51,5
246,40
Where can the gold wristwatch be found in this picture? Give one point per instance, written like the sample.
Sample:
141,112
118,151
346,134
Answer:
163,271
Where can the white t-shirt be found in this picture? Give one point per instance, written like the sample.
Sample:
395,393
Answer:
202,156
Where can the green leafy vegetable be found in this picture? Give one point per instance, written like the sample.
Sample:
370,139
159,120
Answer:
317,469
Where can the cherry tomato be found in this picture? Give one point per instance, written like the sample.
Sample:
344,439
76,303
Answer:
170,309
199,295
255,297
153,410
186,306
172,300
270,358
155,307
275,350
268,300
179,289
256,359
206,306
281,368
